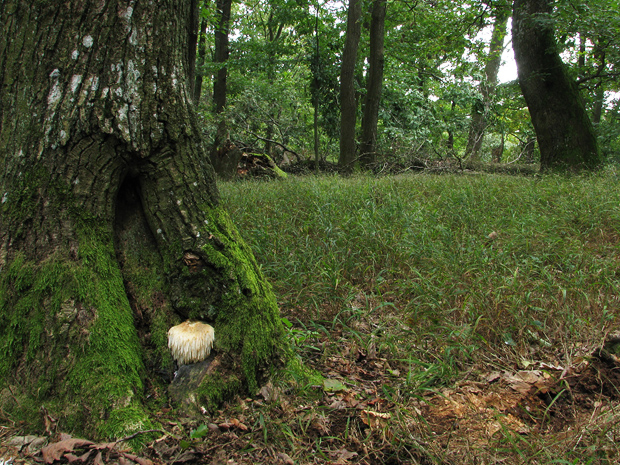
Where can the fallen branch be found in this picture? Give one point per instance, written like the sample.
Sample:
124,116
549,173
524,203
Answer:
284,147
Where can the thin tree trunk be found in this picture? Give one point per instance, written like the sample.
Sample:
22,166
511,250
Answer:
348,103
200,63
565,135
110,224
274,33
487,86
599,95
224,155
368,146
317,94
599,100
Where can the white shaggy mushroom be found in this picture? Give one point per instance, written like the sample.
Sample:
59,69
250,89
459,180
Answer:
190,342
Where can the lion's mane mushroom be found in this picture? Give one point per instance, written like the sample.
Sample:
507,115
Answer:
190,342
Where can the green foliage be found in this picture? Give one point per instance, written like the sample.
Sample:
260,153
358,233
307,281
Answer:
286,56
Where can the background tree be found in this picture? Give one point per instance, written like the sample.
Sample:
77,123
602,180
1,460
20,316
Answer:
110,226
482,106
348,102
224,155
564,132
589,35
374,84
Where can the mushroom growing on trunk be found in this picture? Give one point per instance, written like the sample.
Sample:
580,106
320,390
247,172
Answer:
190,342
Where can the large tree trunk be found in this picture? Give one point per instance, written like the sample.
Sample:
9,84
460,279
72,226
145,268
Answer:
481,108
348,102
565,135
110,227
374,86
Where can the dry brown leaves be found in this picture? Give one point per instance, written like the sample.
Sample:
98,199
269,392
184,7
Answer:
66,449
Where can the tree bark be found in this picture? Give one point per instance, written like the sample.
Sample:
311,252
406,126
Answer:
348,102
316,91
487,86
201,61
224,161
565,135
110,225
374,86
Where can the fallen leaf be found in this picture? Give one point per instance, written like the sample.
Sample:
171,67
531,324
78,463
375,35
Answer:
375,419
492,377
56,450
333,385
81,459
269,392
521,387
285,458
343,456
98,459
138,460
237,424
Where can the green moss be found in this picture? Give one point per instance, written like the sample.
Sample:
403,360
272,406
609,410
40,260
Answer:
248,318
68,333
216,389
124,421
299,374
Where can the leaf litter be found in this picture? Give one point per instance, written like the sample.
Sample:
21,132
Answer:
361,414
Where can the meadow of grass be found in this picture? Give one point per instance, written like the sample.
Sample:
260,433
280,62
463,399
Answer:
444,279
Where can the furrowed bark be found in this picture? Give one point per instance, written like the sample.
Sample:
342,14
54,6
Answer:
565,135
110,225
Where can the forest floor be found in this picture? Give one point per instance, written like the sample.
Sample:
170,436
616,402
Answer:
444,320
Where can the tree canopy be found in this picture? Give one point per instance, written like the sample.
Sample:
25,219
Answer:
286,58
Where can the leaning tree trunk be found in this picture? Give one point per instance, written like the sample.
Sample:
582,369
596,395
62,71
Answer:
481,109
110,227
348,102
565,135
374,86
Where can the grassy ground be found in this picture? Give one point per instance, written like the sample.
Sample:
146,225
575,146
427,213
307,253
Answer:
427,295
453,319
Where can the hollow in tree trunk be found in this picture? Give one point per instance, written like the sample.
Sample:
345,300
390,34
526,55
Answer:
565,135
110,226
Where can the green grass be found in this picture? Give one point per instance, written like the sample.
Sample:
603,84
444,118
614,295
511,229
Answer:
443,277
418,247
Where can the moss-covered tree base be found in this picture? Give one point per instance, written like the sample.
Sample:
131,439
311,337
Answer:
85,331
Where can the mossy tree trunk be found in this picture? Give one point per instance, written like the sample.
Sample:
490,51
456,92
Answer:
565,135
110,226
